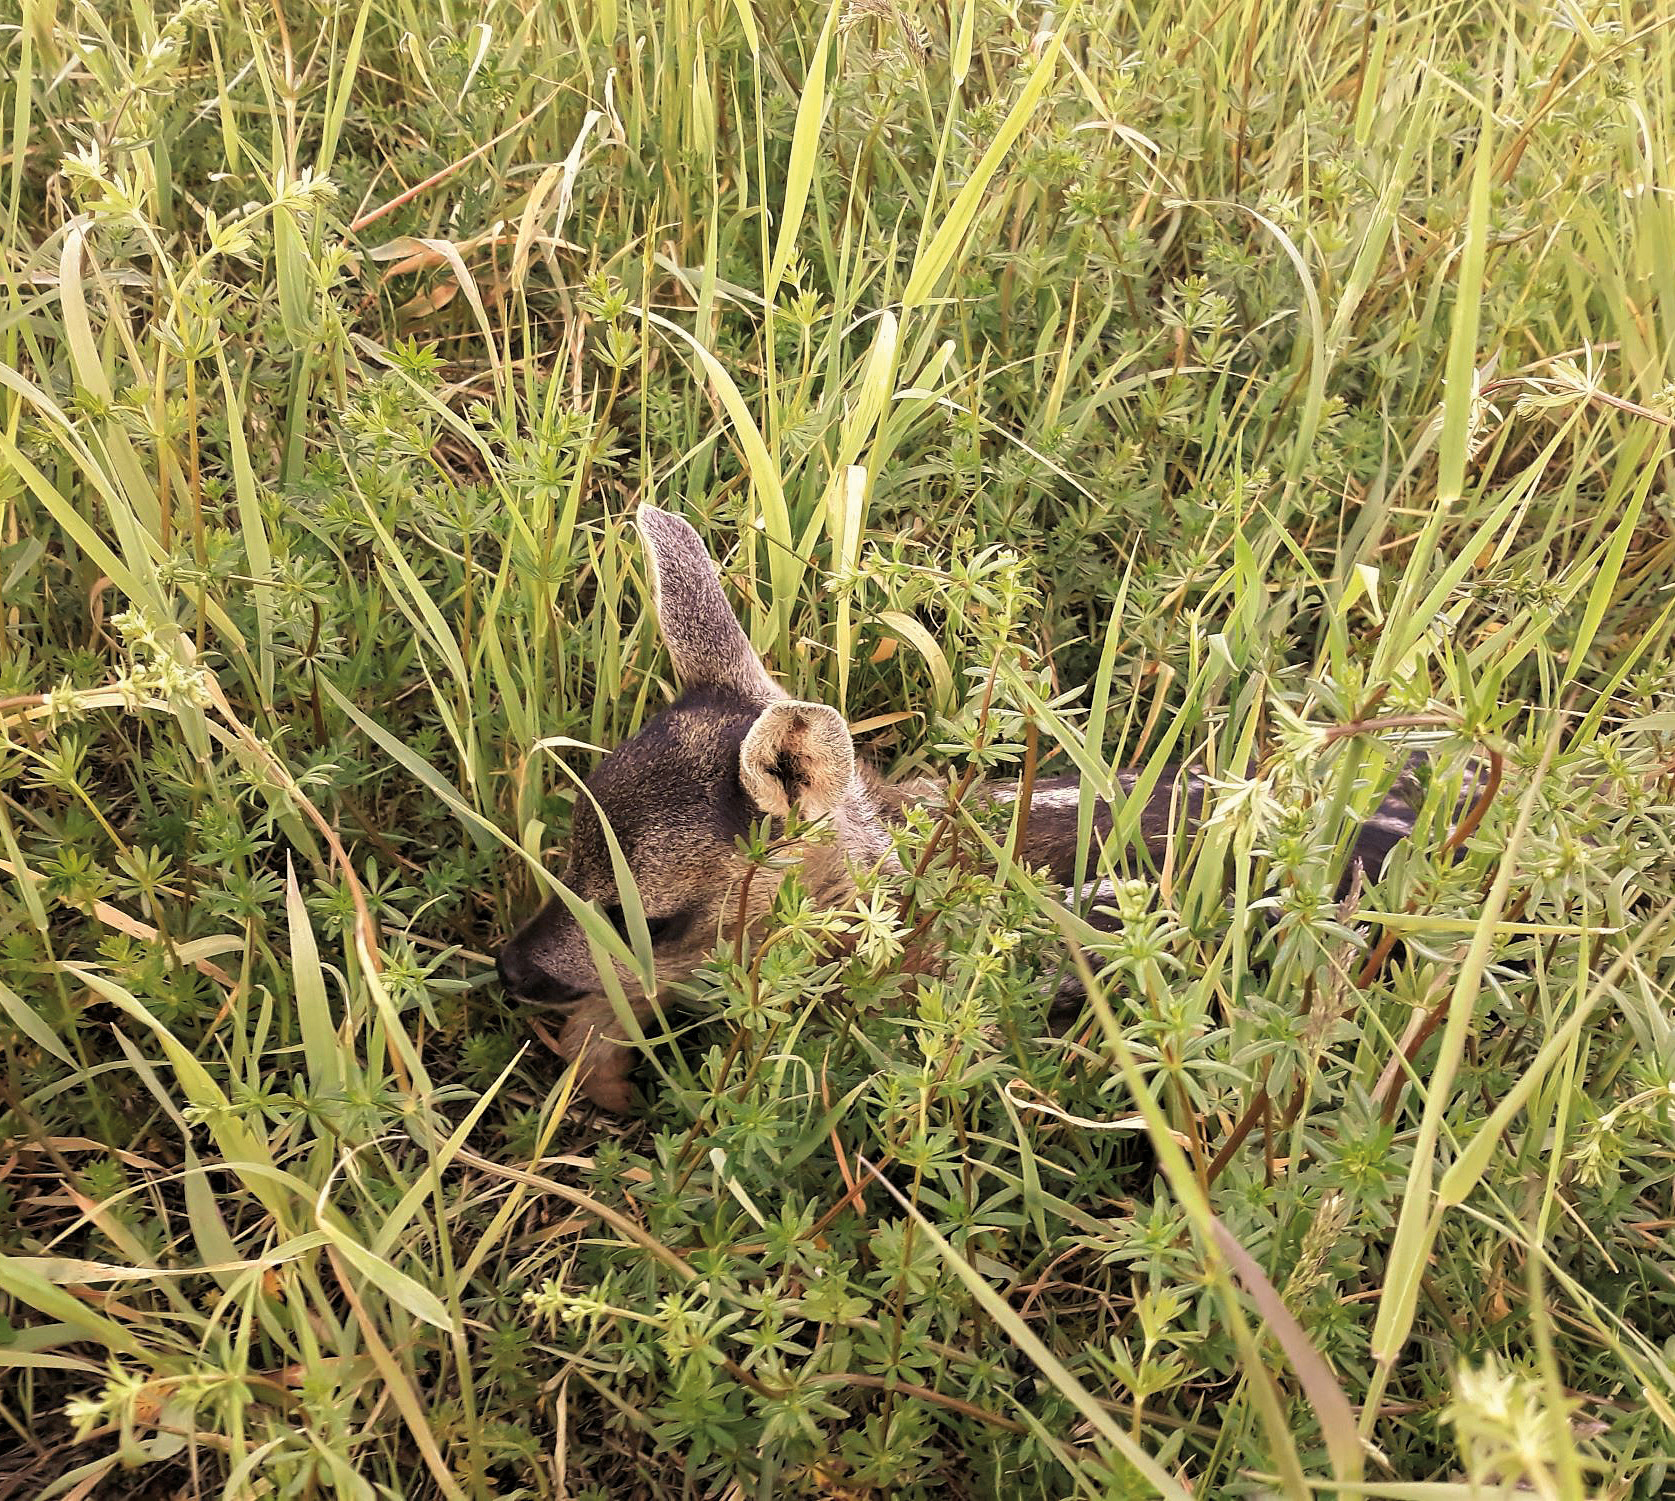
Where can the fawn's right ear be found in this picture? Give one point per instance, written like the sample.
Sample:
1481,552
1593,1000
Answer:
798,756
706,643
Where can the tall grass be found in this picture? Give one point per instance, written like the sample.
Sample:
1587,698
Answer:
1286,387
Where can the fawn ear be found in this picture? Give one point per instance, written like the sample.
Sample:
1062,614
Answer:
797,755
706,643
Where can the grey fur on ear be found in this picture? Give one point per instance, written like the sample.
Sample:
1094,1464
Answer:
797,755
706,643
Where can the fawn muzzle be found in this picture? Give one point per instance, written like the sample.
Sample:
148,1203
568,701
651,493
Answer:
525,978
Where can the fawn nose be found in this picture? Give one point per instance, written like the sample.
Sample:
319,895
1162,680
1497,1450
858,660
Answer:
528,982
509,971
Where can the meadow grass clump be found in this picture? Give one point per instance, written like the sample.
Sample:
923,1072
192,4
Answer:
1283,387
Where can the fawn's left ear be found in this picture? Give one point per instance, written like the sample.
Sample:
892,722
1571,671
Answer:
707,645
797,755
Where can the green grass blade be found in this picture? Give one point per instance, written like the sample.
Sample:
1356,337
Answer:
962,213
805,151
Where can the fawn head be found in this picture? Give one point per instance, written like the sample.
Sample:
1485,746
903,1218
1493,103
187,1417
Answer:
680,793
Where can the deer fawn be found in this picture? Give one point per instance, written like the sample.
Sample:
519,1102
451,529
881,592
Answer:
730,750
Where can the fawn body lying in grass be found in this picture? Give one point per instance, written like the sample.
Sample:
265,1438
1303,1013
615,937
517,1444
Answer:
733,748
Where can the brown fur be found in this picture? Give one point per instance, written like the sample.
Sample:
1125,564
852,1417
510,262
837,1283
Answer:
681,793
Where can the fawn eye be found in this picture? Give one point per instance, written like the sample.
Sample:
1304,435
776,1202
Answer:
657,928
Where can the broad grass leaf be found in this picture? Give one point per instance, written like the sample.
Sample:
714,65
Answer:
395,1285
911,631
956,225
320,1043
29,1286
805,151
28,1021
785,567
